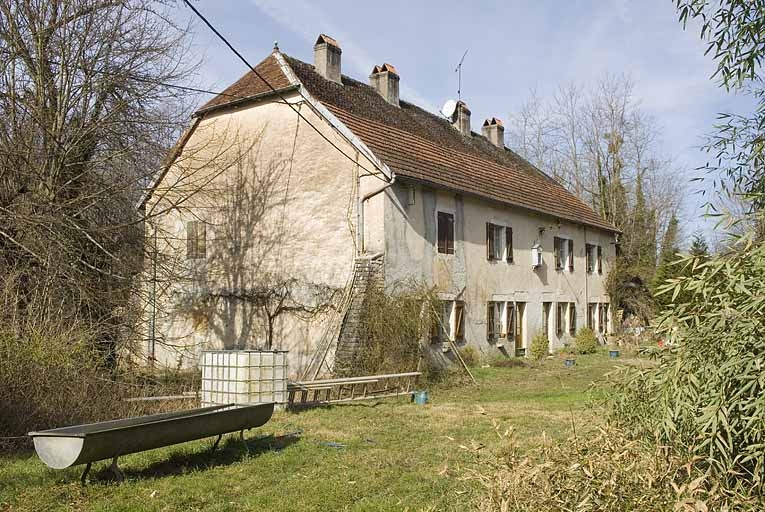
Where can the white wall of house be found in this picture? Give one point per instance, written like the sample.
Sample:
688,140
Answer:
467,275
303,227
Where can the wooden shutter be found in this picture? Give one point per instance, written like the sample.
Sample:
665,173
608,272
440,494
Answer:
570,255
490,334
201,240
600,260
556,253
450,234
588,257
441,232
191,239
489,241
459,327
509,244
572,319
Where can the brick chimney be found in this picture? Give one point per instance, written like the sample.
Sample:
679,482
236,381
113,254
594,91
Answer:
461,118
385,80
493,130
326,58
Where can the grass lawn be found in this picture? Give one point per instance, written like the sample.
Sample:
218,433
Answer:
390,455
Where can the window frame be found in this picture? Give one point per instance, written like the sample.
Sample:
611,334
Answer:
590,257
196,240
560,315
600,259
446,244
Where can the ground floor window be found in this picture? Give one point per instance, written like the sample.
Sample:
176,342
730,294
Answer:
572,318
449,321
560,318
603,318
504,321
546,307
591,310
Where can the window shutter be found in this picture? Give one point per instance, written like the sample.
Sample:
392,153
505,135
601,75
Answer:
490,334
509,244
600,260
450,235
556,251
571,255
201,240
441,232
459,328
572,319
489,241
191,239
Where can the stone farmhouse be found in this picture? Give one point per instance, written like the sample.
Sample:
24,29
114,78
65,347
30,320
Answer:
293,190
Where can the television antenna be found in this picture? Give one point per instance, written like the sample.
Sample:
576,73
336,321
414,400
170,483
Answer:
458,70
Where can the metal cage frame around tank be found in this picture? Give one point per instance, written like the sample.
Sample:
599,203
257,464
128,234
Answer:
244,376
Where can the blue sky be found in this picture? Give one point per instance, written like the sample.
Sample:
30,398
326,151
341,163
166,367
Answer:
514,46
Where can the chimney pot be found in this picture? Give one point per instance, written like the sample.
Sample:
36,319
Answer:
461,119
384,79
326,58
494,131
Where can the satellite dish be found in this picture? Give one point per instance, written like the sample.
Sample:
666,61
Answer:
448,109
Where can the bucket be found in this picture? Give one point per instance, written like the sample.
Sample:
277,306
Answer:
613,354
421,397
569,362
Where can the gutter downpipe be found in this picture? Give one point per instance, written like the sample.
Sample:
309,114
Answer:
365,198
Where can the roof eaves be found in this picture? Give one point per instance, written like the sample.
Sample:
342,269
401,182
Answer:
338,125
412,179
239,102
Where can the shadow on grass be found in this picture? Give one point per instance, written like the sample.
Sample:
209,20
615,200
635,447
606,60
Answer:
371,404
230,451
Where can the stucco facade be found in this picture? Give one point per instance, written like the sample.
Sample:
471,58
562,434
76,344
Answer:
271,200
469,276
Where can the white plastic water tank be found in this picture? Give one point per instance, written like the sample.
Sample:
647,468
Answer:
244,377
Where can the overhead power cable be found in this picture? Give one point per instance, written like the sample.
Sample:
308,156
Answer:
281,96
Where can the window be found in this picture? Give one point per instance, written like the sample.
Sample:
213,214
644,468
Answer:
603,318
499,243
560,318
196,240
459,321
600,260
564,253
572,319
445,233
591,316
520,309
590,253
494,314
410,196
450,324
546,306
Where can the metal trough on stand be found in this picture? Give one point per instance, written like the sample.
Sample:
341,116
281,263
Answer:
61,448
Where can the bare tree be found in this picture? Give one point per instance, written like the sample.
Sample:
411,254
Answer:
88,109
598,143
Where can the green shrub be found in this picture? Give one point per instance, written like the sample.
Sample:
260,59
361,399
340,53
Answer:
585,341
540,347
704,397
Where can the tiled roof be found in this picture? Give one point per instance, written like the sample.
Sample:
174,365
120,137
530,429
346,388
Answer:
419,145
